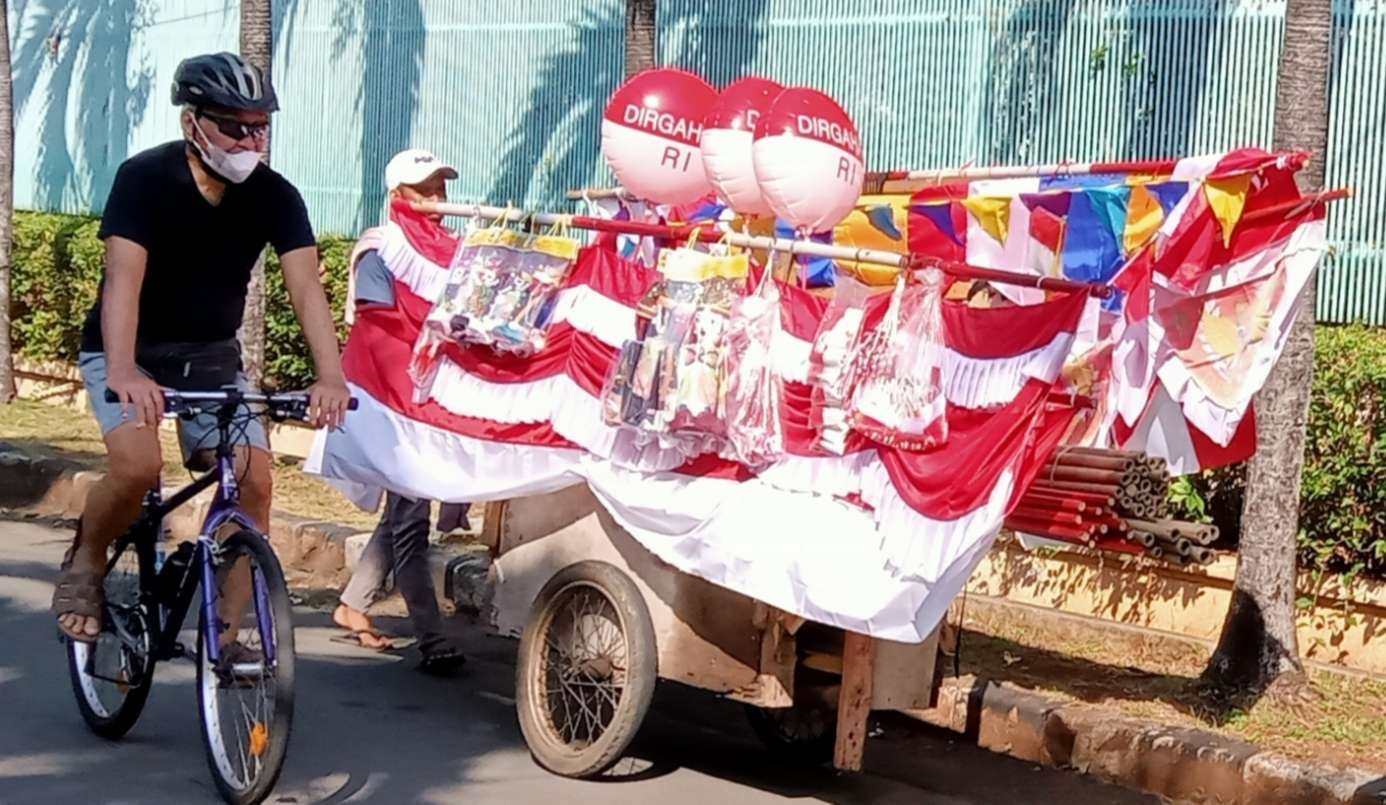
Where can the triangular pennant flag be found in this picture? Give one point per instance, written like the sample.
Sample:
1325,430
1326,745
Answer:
1047,229
1110,205
1227,197
1143,218
1168,193
993,214
882,217
1092,251
820,272
1056,202
1047,234
1135,281
941,215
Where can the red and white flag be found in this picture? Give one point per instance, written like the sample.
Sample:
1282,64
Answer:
876,540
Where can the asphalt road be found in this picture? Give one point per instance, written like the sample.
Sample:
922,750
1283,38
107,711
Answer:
368,728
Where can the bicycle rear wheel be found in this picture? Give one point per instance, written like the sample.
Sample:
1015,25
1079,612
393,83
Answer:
246,697
112,675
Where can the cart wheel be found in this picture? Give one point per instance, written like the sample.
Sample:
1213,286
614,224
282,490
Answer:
802,735
586,670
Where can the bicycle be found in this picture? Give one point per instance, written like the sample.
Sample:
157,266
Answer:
245,677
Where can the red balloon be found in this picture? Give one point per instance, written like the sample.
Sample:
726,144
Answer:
741,104
806,112
808,159
728,133
651,132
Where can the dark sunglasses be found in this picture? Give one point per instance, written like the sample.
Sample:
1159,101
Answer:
234,128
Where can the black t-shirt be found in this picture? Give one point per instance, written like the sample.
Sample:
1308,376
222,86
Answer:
200,255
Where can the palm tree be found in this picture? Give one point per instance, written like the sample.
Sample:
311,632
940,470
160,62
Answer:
7,387
257,47
1258,646
641,34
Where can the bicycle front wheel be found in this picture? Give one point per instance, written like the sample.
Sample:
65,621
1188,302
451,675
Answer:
246,694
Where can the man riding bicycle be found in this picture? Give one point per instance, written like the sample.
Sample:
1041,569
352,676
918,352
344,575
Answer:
183,227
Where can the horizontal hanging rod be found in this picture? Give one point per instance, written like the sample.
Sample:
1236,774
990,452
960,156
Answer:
709,233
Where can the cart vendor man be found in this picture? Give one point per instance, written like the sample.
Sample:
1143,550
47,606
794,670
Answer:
400,540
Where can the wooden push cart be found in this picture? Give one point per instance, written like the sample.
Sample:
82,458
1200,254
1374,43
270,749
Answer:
600,618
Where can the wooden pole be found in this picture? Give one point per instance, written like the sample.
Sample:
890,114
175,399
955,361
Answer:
709,233
854,701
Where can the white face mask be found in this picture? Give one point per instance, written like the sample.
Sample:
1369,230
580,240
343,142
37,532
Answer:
234,168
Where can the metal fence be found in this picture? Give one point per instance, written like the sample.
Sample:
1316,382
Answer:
513,92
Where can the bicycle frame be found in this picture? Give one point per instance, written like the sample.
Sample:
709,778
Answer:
224,510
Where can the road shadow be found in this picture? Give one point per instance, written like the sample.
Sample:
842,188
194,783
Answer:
48,756
368,727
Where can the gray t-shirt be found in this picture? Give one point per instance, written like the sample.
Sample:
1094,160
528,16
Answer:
375,285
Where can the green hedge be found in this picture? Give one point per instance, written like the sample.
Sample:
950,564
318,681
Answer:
287,362
57,276
1343,502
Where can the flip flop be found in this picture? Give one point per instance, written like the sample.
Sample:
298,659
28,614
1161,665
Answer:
354,638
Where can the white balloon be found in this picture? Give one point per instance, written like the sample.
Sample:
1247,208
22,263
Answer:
808,160
730,165
809,184
652,168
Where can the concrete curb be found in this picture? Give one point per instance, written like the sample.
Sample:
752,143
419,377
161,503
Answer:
313,553
1181,764
316,555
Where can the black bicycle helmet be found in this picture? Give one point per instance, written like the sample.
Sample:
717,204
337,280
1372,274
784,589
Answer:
225,80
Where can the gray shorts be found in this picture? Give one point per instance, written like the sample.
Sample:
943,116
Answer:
198,433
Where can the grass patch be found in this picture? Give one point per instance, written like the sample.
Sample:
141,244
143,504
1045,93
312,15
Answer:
1158,679
62,432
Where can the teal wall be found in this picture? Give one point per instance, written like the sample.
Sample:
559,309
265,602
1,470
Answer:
513,92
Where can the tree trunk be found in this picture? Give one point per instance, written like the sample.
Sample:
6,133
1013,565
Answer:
257,47
7,383
1258,644
640,36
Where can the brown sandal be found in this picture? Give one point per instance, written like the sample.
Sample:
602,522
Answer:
78,592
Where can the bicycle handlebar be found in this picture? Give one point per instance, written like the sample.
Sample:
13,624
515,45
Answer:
232,397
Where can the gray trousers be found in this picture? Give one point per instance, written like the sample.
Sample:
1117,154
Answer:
399,543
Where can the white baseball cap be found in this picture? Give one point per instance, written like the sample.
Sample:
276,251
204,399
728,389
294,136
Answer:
415,165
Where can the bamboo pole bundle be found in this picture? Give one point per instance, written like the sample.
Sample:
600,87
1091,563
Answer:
1112,500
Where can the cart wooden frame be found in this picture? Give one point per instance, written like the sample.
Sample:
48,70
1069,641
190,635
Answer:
705,636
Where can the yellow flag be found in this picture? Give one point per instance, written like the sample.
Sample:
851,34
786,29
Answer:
1227,197
1143,217
856,231
992,212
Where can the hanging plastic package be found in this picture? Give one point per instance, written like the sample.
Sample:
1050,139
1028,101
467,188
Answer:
755,434
520,317
472,277
502,290
899,399
670,383
830,361
699,394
